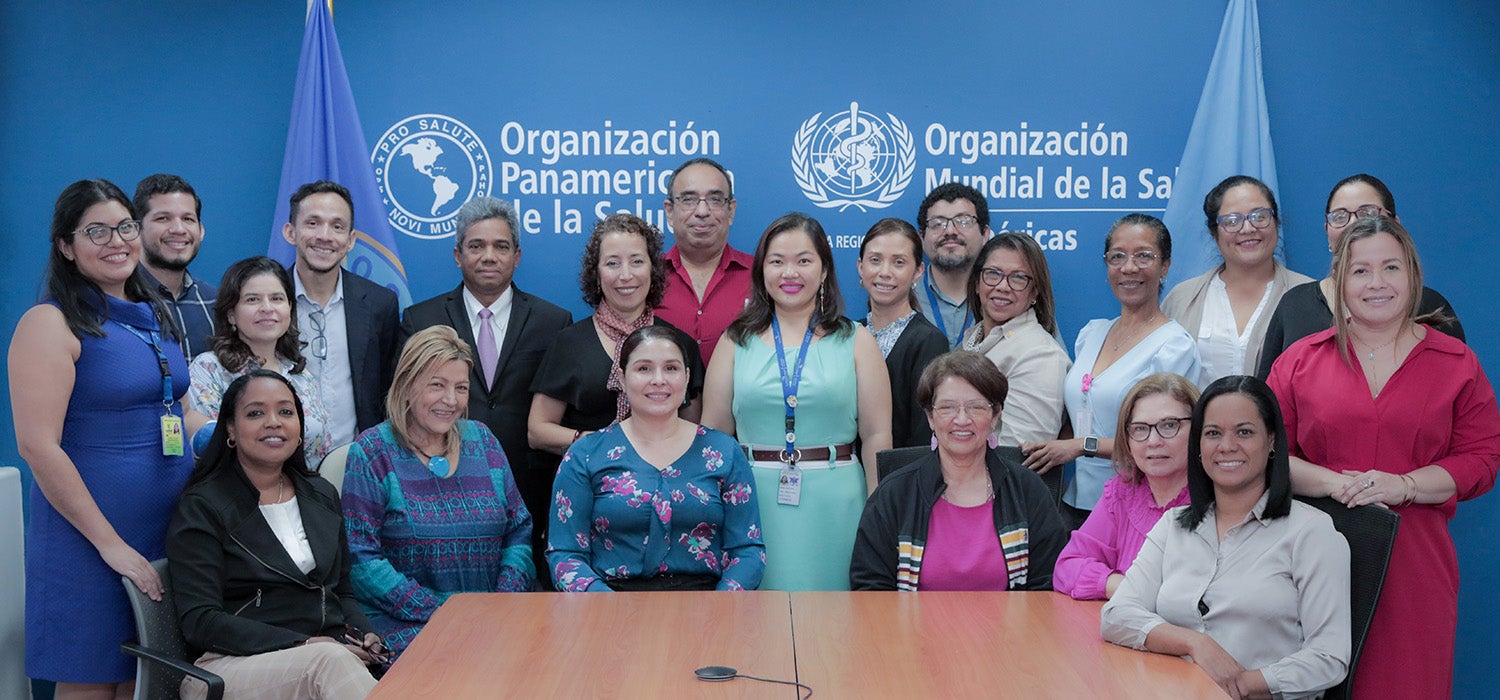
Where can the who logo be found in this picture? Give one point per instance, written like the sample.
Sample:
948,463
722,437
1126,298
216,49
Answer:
853,159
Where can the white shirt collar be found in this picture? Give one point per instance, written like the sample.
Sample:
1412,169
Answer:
301,292
500,309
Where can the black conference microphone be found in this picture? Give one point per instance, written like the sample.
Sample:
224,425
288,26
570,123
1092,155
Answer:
718,674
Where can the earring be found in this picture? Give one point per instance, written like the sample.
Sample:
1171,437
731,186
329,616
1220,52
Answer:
934,443
229,441
820,299
993,441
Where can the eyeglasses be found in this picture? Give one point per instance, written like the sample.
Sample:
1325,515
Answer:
1258,218
1339,218
1017,281
1167,428
319,344
715,201
99,234
1142,258
976,410
963,222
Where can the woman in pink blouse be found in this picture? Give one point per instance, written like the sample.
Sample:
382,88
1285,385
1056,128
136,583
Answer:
1151,477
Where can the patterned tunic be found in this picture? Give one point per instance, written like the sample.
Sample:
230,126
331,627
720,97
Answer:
417,539
615,516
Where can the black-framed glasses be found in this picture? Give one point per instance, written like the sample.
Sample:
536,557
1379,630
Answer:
691,201
1017,281
100,234
1258,218
963,222
977,410
319,344
1142,258
1167,428
1339,218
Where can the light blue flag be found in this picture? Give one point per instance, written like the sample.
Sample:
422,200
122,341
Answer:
325,142
1231,135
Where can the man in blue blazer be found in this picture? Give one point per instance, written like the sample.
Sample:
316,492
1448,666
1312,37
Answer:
348,323
507,353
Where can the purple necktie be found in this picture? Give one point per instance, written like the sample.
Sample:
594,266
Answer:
489,355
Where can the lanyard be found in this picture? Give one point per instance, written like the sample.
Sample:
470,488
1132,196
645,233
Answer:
154,340
937,310
789,383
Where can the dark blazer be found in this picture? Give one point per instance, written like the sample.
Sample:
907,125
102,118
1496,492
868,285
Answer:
920,343
371,315
505,406
236,589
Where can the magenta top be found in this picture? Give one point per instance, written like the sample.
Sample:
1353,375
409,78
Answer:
1110,539
963,552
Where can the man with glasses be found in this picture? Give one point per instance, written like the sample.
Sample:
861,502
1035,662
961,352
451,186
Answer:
171,233
347,321
509,331
954,221
708,282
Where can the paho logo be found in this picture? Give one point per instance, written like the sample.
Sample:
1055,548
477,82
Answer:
853,159
427,166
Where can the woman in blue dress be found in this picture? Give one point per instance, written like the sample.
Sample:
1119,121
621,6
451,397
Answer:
97,383
655,502
1111,355
801,384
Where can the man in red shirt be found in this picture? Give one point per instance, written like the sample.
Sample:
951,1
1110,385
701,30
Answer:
708,282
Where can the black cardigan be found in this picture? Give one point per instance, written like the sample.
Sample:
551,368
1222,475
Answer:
920,343
236,589
893,530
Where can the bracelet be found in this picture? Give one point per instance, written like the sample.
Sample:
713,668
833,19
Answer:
1411,485
576,434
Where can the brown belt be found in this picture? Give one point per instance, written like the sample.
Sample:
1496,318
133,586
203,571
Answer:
838,453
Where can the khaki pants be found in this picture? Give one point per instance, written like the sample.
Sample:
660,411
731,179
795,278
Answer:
318,671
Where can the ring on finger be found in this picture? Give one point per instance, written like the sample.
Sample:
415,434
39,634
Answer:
1369,483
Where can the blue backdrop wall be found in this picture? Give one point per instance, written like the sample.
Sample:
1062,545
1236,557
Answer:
204,90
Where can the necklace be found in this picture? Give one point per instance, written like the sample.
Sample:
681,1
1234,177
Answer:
280,490
989,491
1369,351
1140,327
438,465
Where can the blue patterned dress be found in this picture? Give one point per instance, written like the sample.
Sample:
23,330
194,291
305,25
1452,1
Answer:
416,539
615,516
76,611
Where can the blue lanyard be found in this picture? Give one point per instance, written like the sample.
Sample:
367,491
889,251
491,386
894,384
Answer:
937,310
789,382
154,340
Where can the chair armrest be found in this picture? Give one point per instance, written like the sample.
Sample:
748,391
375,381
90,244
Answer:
215,683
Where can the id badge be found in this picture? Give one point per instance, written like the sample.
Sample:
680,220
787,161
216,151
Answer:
789,491
171,436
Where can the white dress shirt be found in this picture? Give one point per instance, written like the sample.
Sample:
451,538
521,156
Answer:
1221,346
499,319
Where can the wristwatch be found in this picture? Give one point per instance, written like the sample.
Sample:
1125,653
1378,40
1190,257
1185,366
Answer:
1091,446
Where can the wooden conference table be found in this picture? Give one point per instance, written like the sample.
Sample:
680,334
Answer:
842,644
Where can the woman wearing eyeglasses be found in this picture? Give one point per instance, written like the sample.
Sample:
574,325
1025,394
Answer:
1010,291
1307,308
96,383
255,326
1150,477
1228,308
1111,355
961,518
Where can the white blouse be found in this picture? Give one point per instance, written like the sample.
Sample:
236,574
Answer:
286,522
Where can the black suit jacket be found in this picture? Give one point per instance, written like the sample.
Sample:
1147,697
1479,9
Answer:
505,406
371,316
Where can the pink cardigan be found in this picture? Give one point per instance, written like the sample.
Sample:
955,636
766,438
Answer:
1110,539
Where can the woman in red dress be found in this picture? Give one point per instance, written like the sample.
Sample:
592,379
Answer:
1385,409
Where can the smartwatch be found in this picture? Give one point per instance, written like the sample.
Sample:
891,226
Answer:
1091,446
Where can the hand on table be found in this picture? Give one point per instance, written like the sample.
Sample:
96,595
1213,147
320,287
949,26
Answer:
1218,664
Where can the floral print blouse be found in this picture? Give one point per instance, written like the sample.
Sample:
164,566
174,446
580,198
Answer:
210,380
615,516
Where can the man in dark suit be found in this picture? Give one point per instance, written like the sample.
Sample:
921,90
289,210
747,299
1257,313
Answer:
348,322
509,331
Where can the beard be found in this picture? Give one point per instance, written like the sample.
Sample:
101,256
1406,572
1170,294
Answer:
951,262
155,259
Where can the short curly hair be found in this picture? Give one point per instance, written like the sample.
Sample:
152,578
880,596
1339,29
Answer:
588,275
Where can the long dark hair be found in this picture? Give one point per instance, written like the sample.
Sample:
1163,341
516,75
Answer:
759,309
219,455
232,352
79,298
1278,466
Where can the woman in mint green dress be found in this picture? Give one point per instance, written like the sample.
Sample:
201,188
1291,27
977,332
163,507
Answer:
802,384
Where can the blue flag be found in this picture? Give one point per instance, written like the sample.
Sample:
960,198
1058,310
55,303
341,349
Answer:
1231,135
325,142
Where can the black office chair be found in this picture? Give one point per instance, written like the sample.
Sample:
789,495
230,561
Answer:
161,654
1371,532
